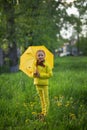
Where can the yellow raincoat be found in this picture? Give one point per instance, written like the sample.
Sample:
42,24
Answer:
42,86
45,74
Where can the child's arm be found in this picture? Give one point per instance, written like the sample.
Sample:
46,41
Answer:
48,73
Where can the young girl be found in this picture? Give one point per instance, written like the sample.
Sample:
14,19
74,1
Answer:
42,73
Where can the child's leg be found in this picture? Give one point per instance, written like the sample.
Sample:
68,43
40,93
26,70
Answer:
41,93
46,95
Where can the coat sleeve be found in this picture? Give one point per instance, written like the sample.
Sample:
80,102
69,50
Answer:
48,73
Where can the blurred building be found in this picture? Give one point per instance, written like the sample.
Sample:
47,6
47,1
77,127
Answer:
67,49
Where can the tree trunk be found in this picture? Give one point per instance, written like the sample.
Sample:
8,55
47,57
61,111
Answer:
13,58
11,35
1,57
78,45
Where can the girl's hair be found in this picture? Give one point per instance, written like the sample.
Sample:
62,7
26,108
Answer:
40,51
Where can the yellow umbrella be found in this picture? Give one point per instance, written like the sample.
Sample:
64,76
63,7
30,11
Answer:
28,59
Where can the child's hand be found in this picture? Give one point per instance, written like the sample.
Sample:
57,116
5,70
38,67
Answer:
36,74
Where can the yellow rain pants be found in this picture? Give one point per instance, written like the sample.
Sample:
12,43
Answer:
44,98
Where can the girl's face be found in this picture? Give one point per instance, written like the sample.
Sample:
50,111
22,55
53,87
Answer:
40,56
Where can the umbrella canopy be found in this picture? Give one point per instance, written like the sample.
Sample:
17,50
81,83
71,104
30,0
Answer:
28,59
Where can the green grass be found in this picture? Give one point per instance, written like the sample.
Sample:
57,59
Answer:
19,101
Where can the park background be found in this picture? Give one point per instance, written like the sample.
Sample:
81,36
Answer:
64,33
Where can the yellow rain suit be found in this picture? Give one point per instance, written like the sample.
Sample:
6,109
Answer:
42,86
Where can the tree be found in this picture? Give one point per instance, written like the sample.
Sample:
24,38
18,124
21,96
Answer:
75,21
9,13
37,24
81,5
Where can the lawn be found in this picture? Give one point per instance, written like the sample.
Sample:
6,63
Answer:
19,101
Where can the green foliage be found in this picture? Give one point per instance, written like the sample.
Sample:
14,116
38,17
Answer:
34,23
83,45
19,101
37,22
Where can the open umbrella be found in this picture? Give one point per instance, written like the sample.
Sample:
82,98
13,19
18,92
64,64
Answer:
28,59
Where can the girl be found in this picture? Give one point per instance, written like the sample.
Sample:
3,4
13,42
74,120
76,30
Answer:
41,75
